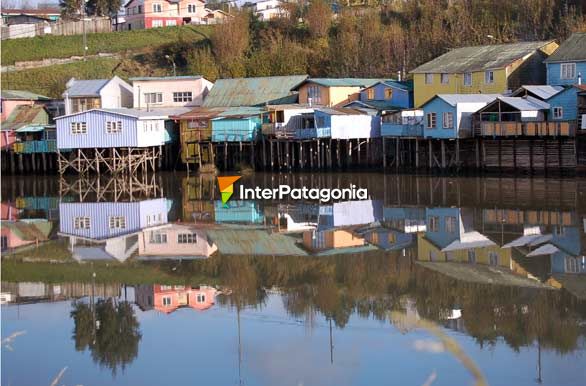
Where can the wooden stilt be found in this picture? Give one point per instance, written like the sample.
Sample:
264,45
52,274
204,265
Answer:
443,150
416,153
384,153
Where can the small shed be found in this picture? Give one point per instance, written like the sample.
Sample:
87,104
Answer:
238,124
346,123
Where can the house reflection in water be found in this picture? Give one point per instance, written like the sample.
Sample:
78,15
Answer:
21,233
108,230
175,241
168,298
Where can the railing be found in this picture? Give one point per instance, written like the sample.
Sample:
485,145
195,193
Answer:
401,130
278,130
531,129
27,147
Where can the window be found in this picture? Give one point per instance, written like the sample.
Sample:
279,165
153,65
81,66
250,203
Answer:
156,9
157,23
433,223
140,9
113,127
187,238
448,120
153,97
568,70
320,122
166,301
201,298
191,8
170,23
445,78
314,92
472,256
370,94
428,78
4,243
558,112
280,116
185,96
489,77
83,104
165,287
431,120
78,128
468,79
117,222
81,222
451,224
388,93
494,258
158,238
572,265
197,124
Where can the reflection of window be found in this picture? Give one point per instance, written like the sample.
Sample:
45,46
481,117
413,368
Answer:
191,8
314,92
166,301
450,256
489,77
433,223
158,238
178,287
81,222
201,298
184,96
157,23
165,287
370,93
197,124
4,242
558,112
471,256
572,265
171,23
280,116
320,122
494,258
157,8
117,222
388,93
451,224
187,238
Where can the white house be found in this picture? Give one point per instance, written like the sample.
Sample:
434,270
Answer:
82,95
170,91
266,9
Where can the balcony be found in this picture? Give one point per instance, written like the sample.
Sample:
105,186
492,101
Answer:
529,129
389,129
43,146
277,130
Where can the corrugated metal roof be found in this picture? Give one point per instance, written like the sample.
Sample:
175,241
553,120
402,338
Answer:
200,113
341,82
86,88
541,91
253,91
158,78
247,241
571,50
243,111
343,111
156,113
454,99
479,58
374,104
22,95
25,115
525,104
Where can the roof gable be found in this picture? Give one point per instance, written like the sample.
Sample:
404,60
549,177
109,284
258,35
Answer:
571,50
479,58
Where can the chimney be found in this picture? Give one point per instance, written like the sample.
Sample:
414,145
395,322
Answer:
579,78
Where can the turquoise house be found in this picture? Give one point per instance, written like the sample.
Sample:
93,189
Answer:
238,212
239,124
567,65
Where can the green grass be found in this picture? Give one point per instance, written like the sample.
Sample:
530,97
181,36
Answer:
38,48
128,273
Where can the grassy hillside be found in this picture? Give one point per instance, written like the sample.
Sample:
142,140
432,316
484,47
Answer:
39,48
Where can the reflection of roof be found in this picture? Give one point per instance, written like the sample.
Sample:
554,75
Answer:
479,58
546,249
345,250
469,240
29,229
573,49
253,91
254,241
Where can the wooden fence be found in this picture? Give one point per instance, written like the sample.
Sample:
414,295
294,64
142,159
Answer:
63,27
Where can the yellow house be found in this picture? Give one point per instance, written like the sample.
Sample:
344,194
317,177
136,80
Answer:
493,69
331,91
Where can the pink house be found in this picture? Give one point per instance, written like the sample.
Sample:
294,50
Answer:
168,298
175,241
164,13
14,234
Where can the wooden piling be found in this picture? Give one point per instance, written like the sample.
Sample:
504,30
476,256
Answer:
384,153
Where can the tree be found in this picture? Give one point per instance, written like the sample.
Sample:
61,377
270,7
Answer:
201,61
230,43
71,7
319,18
103,7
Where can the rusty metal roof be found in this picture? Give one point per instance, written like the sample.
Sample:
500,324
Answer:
479,58
253,91
571,50
200,113
24,115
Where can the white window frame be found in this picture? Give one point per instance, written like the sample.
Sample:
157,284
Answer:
428,78
157,23
170,23
431,120
200,298
314,92
445,78
567,71
448,120
157,237
165,287
187,238
78,128
182,96
451,224
467,79
157,8
191,8
117,222
167,301
558,112
113,127
157,96
81,222
489,77
434,223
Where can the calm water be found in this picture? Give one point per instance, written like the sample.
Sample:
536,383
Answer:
432,280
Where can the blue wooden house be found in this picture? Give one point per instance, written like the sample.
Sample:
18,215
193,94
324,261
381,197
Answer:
116,128
386,95
567,65
237,124
450,115
564,105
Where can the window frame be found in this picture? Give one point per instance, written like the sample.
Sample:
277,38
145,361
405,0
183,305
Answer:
182,96
370,94
82,222
158,97
157,8
489,77
428,78
113,127
431,124
564,70
558,112
117,222
77,128
445,78
445,115
468,79
187,238
167,301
